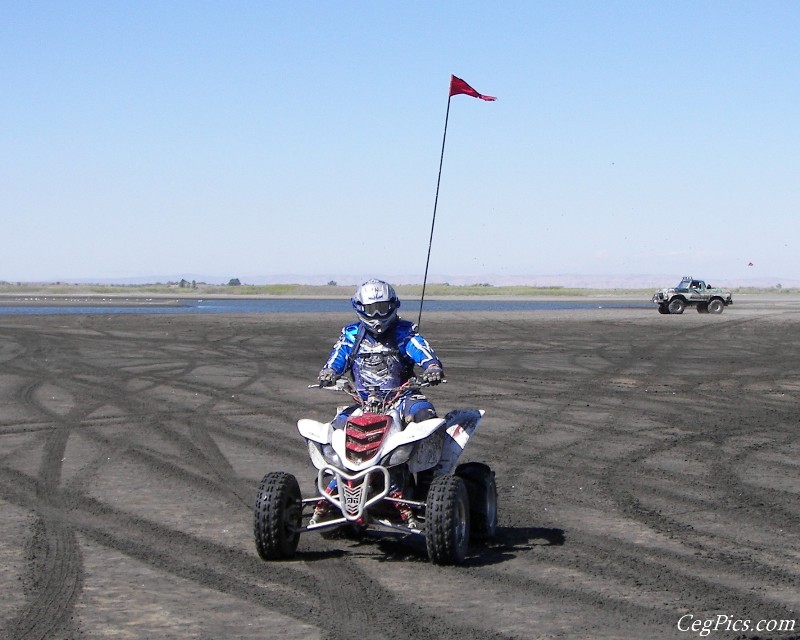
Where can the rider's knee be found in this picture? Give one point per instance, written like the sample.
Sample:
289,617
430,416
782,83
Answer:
340,420
424,414
420,411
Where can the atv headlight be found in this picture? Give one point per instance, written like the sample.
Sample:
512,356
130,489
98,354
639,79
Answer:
322,455
331,457
399,455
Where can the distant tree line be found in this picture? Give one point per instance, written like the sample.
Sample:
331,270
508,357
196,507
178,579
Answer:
183,283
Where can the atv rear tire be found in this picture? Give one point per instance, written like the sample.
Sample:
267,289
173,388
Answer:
482,490
278,516
447,520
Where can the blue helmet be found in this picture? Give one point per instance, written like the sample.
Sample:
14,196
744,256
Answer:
376,304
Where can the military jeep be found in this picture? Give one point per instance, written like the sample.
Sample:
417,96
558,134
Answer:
690,292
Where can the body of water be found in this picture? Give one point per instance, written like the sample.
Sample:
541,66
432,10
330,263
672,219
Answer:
410,308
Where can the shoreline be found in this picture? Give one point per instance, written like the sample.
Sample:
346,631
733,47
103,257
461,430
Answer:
89,301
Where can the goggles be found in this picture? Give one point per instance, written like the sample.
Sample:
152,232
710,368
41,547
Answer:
376,309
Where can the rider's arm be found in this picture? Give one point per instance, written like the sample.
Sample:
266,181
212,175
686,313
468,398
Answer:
340,354
416,346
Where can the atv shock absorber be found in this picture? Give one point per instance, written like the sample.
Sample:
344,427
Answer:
323,506
406,512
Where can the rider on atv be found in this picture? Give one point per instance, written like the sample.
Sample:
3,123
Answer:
380,351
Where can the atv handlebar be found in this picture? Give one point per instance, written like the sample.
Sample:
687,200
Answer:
378,400
343,384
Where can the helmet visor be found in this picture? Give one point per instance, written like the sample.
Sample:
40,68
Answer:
380,309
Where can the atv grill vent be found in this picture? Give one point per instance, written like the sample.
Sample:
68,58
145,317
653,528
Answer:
364,435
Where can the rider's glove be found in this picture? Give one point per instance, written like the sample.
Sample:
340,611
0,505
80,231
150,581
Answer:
327,377
433,375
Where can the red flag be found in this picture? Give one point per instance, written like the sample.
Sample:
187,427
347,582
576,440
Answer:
458,86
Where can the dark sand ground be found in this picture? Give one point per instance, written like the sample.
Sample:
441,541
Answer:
648,470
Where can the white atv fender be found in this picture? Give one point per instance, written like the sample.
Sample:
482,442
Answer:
313,430
431,451
318,436
459,426
321,434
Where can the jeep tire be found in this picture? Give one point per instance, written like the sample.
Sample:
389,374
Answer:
715,306
676,306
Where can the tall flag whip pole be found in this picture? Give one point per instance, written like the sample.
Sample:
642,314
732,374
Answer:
457,87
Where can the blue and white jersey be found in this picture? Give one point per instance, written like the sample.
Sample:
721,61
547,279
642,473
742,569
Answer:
384,361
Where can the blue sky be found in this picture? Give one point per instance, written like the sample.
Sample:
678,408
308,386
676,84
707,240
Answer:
251,139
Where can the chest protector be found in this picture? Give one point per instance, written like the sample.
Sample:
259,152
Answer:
377,362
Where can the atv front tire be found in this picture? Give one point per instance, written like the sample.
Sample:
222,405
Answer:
447,520
278,516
